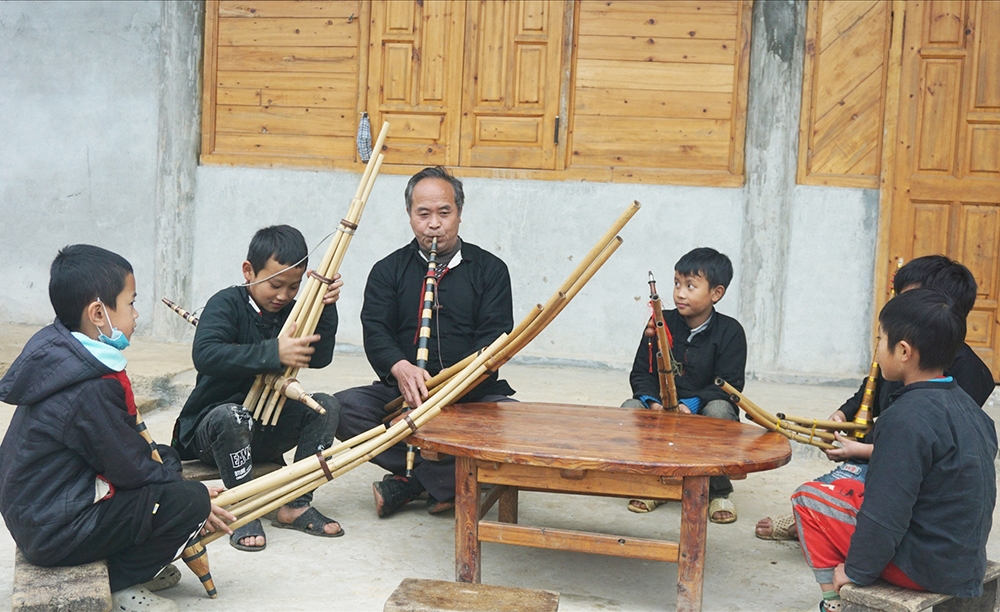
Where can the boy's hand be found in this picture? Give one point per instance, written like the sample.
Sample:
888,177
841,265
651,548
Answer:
850,449
333,290
296,352
219,516
839,417
412,382
683,408
655,406
840,577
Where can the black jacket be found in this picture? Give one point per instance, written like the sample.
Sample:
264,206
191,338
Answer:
929,493
971,374
70,425
720,350
475,308
232,345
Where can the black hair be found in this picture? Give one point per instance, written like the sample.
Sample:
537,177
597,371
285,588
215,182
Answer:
939,272
707,262
927,320
438,172
282,242
82,273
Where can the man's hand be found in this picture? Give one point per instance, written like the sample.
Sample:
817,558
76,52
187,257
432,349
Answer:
219,517
296,352
333,290
412,382
840,577
850,449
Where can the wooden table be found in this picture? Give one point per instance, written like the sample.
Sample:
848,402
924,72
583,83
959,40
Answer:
591,450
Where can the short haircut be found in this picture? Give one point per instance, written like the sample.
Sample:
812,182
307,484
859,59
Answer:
927,320
939,272
82,273
282,242
438,172
707,262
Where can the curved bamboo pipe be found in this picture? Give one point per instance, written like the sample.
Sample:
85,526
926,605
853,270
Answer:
768,421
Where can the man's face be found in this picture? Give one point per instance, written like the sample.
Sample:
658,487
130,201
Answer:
434,214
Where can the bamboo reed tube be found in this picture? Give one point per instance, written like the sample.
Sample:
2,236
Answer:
820,424
863,417
306,310
768,421
315,307
189,317
140,426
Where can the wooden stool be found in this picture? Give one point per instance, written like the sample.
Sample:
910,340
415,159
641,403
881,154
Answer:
199,470
79,588
416,595
884,597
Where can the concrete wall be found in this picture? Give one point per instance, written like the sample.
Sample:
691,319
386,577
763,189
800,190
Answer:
803,255
78,97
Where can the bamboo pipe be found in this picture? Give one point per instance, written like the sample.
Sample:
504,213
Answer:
766,420
863,417
366,451
316,306
140,426
258,393
820,424
189,317
664,357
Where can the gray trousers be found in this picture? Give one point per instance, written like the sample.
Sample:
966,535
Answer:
718,486
231,440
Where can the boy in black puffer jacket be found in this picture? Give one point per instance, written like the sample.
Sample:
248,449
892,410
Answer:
77,481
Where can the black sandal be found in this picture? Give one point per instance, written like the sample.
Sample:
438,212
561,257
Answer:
251,529
312,522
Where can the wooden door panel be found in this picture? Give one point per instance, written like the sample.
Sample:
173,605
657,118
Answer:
947,169
939,113
414,80
513,59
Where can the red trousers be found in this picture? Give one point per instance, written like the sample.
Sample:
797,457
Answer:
826,515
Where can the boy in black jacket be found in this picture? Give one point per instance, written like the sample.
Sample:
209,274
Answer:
708,345
922,517
237,339
77,481
971,374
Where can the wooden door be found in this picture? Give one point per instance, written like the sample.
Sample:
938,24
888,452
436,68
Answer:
947,176
513,56
415,81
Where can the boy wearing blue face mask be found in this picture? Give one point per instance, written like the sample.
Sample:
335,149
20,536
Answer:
77,481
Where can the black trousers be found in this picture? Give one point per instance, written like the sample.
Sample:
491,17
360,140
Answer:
231,440
140,531
364,407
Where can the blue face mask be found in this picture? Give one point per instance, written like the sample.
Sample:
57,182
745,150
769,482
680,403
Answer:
117,339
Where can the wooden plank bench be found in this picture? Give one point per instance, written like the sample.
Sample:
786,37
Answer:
416,595
80,588
885,597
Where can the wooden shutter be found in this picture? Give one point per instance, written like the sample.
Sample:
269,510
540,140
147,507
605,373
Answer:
840,137
660,90
415,78
947,174
512,69
281,81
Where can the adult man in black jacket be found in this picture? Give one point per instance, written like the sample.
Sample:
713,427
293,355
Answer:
472,308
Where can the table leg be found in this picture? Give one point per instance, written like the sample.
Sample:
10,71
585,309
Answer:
691,558
507,512
467,545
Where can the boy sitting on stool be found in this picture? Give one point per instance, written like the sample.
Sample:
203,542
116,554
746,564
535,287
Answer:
78,483
922,516
237,339
707,345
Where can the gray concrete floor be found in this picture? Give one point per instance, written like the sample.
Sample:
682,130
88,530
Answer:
360,570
